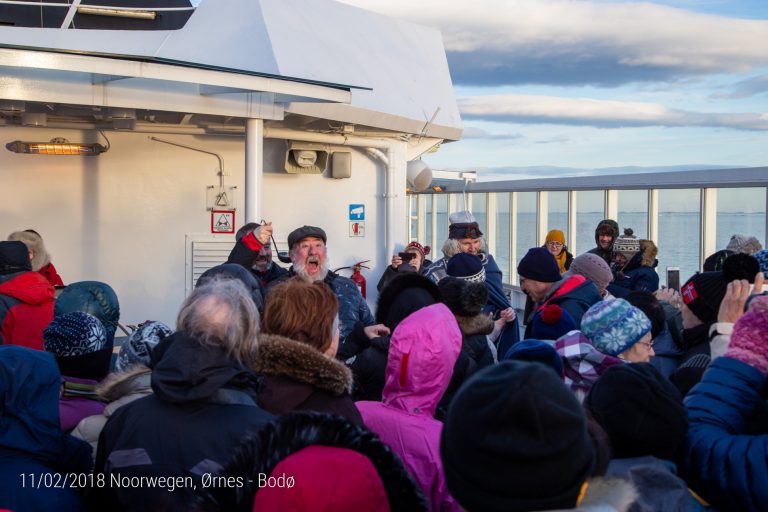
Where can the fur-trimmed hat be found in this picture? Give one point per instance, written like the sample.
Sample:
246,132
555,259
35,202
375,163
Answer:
463,298
463,225
745,244
606,227
704,292
34,243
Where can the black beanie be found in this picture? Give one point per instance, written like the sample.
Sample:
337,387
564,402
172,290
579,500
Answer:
704,292
641,411
14,257
463,298
515,439
539,264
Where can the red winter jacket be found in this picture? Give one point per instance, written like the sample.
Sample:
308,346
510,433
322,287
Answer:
26,309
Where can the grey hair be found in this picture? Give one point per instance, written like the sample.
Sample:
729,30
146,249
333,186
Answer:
221,312
452,247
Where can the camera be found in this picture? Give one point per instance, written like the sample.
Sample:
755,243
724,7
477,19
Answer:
406,256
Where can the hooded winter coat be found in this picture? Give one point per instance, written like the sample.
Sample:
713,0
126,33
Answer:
639,273
723,464
117,389
603,253
422,353
204,404
26,308
575,294
402,296
34,452
78,401
297,376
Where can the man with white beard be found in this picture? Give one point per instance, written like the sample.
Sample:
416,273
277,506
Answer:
309,257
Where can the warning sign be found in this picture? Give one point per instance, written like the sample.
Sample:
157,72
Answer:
222,221
357,228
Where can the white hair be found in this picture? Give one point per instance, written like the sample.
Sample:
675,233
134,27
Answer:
452,247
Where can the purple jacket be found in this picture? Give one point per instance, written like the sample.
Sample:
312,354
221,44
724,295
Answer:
78,401
422,352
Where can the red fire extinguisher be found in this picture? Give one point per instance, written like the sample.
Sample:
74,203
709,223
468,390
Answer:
357,276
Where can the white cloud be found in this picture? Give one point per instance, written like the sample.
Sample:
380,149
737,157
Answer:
493,42
520,108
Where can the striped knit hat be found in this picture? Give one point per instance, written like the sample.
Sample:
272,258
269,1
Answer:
614,326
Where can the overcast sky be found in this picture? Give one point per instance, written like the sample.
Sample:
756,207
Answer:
601,83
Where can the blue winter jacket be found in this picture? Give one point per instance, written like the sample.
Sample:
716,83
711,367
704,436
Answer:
726,467
38,462
497,299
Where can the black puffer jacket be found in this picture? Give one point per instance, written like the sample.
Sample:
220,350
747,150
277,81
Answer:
260,453
204,404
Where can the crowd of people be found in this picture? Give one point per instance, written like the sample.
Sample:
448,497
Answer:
280,389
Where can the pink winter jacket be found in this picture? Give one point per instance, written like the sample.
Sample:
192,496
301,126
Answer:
422,352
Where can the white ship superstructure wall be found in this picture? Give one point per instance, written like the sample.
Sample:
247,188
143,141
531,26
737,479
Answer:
124,217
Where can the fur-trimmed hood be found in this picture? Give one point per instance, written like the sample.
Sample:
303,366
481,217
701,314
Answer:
34,243
134,379
478,324
280,356
649,251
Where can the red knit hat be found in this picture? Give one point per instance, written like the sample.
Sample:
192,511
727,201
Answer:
423,249
324,478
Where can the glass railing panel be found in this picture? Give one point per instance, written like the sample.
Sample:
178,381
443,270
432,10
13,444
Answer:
633,212
590,210
679,232
740,211
427,219
526,224
502,234
557,216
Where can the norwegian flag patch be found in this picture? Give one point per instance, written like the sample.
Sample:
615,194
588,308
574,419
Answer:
689,293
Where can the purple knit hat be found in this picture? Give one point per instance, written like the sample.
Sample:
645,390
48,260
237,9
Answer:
749,340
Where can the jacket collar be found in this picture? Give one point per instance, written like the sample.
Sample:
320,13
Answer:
478,324
280,356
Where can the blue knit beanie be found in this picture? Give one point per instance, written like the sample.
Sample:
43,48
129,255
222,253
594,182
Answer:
551,322
536,351
614,326
539,264
74,334
467,267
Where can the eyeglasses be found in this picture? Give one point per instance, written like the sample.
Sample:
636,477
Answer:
648,344
554,244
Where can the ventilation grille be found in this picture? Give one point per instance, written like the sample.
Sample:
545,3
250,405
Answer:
204,252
